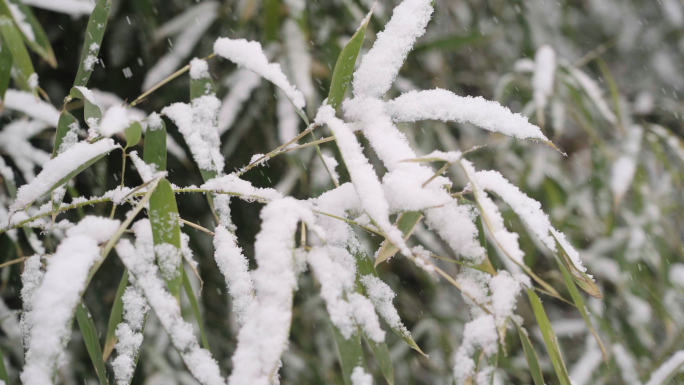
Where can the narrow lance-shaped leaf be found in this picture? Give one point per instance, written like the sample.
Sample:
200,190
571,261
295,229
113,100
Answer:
5,67
91,112
64,125
115,317
579,302
3,370
20,56
531,356
166,235
92,341
201,85
382,355
581,278
550,339
133,133
154,151
93,40
195,309
36,39
350,351
406,223
344,67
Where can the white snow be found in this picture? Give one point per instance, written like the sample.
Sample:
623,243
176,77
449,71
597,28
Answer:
544,74
299,58
199,69
29,104
480,333
20,21
60,292
360,377
594,92
382,295
15,142
114,121
31,278
129,334
363,176
249,55
235,268
59,168
446,106
572,253
140,262
231,184
197,122
264,337
381,64
670,366
241,85
288,119
71,7
528,209
624,168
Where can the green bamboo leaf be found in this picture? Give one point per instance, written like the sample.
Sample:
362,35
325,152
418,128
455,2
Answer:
39,42
195,309
550,339
5,67
97,23
382,355
20,56
365,267
154,151
133,133
345,65
199,87
271,19
406,223
581,278
115,317
531,356
3,370
579,302
166,231
91,111
63,127
90,337
350,352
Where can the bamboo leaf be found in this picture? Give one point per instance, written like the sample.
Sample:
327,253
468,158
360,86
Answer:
133,133
3,370
39,42
350,352
550,339
63,127
115,317
90,337
154,151
581,278
5,67
90,109
166,231
382,355
344,67
271,19
20,56
531,356
97,23
579,302
406,223
195,309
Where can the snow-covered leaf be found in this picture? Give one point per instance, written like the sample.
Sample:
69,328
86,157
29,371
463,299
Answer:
97,23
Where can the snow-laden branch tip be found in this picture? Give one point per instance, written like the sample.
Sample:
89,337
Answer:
59,168
439,104
366,182
264,337
139,260
249,55
55,301
381,64
234,185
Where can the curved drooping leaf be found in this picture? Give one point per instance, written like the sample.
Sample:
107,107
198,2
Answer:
350,352
195,308
97,23
133,133
20,56
92,341
344,67
115,317
154,151
39,42
406,223
530,356
91,111
5,67
581,278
